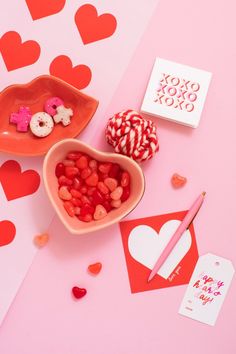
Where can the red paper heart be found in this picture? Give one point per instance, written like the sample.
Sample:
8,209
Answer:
7,232
17,184
92,27
44,8
17,54
78,76
78,292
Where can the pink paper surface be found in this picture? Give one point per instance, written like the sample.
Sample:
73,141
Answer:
44,317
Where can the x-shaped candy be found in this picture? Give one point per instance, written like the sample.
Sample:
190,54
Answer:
63,115
21,119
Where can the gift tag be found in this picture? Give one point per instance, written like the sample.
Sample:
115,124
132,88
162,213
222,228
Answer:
207,289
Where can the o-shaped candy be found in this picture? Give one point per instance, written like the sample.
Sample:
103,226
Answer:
41,124
51,105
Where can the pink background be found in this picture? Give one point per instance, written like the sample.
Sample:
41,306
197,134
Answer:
44,318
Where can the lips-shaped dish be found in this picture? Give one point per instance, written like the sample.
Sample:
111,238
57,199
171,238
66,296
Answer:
34,94
57,154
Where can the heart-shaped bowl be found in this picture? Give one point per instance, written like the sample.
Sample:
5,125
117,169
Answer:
33,95
58,152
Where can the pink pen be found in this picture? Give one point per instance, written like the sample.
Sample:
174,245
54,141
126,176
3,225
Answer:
178,233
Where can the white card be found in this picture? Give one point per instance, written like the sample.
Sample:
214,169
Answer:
207,289
176,92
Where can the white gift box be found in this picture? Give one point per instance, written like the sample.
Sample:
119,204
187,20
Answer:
176,92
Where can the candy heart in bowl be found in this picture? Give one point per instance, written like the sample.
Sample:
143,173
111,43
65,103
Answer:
33,95
57,154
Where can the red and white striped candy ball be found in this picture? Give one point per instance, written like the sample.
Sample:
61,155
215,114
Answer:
132,135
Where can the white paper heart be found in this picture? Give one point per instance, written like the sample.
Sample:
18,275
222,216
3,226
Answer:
146,245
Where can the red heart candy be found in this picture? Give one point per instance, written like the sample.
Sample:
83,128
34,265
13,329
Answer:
178,181
17,184
41,240
17,54
7,232
95,268
92,27
78,292
78,76
44,8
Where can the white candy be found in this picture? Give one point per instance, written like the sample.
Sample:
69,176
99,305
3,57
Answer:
63,115
41,124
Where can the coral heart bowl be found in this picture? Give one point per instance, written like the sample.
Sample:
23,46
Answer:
33,95
73,224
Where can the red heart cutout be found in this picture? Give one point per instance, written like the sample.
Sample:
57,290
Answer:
44,8
7,232
78,76
17,54
17,184
78,292
92,27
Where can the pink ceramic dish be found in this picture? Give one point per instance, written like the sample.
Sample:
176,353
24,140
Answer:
57,153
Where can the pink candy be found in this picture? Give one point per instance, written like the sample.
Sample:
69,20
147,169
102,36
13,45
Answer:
21,119
51,105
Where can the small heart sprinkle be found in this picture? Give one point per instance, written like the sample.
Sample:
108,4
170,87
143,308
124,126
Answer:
95,268
78,292
41,240
178,181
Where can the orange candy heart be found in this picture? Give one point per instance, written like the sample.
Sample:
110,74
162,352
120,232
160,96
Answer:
178,181
41,240
95,268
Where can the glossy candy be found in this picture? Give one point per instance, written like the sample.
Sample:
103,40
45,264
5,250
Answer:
126,194
71,172
116,203
92,180
60,169
178,181
100,212
73,155
97,197
68,162
125,179
82,162
77,183
117,193
86,218
78,292
86,172
105,167
64,181
69,208
111,183
41,240
87,189
95,268
86,209
103,188
93,165
114,171
64,194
